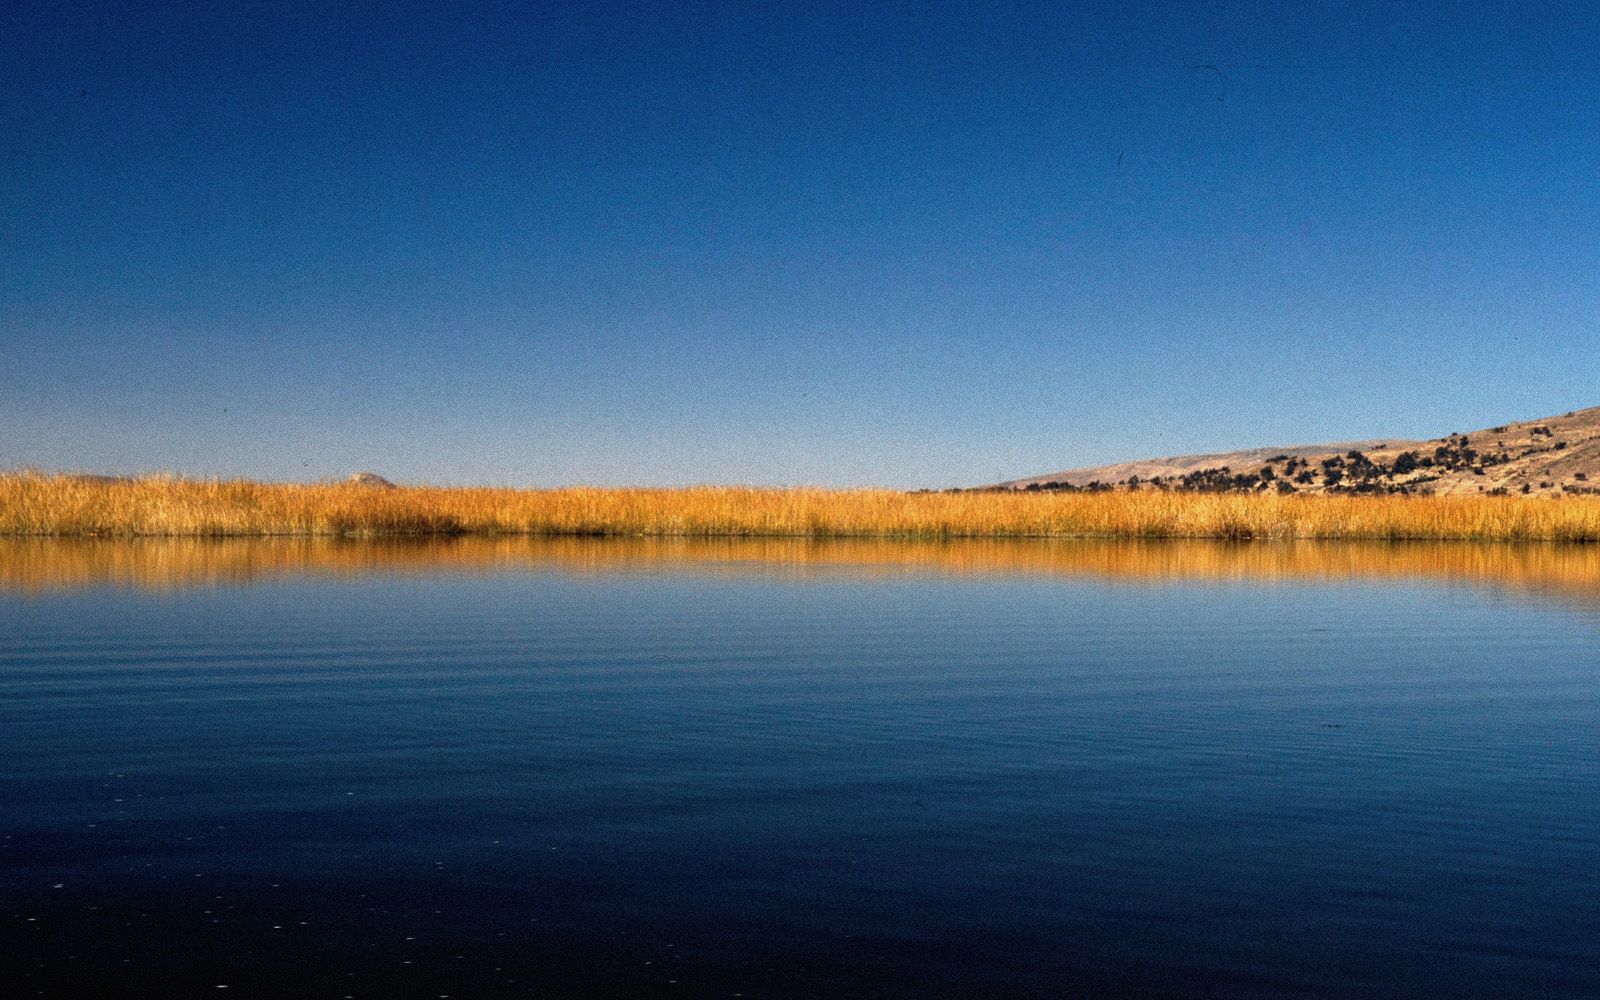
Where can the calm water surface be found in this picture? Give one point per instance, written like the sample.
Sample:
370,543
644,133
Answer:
873,772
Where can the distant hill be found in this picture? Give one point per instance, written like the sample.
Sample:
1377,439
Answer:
1531,457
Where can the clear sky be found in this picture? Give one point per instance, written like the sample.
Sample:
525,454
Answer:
918,245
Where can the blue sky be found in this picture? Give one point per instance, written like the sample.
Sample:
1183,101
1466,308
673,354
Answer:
923,245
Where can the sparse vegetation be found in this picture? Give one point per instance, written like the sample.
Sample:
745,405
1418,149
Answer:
1497,461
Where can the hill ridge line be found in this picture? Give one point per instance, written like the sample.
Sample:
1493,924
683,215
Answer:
1550,455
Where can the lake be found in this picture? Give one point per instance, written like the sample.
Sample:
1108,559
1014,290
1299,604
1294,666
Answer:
484,768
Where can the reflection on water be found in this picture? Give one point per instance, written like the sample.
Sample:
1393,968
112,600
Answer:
51,565
658,768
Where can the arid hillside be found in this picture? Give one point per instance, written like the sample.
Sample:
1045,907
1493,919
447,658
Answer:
1553,456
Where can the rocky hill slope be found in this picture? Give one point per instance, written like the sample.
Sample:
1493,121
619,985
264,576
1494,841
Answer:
1556,455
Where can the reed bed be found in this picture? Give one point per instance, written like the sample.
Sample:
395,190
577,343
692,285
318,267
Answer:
46,505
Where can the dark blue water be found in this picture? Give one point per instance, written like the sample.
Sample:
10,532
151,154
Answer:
694,783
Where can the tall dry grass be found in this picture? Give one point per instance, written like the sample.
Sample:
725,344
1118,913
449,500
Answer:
34,504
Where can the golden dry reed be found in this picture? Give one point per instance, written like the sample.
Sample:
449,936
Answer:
35,504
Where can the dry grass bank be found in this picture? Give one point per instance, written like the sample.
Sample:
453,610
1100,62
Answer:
32,504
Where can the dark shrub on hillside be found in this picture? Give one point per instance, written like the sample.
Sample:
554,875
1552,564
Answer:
1405,462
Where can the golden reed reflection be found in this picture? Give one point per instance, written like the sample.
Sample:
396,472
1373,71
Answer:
42,566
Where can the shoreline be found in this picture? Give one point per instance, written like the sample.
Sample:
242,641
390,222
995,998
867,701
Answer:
64,506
